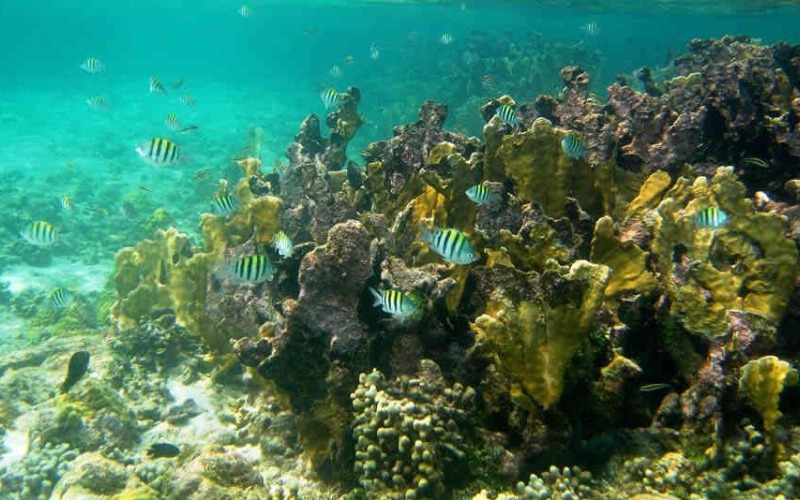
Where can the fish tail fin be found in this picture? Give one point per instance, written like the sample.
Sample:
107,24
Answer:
377,296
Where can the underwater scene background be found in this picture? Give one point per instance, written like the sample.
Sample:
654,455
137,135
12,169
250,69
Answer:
398,249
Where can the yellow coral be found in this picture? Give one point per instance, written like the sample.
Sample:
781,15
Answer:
761,382
534,340
627,261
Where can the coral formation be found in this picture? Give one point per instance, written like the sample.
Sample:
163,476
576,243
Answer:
408,431
761,382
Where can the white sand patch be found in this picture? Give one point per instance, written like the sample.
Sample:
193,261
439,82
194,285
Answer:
16,442
74,276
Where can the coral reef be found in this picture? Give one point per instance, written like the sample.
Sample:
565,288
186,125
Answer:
408,431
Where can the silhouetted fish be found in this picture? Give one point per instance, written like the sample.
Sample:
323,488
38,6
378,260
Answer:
162,450
78,365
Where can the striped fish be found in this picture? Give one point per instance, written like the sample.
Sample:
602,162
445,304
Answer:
756,162
253,268
507,114
224,205
172,122
159,151
40,233
66,203
450,244
59,299
156,85
283,244
446,39
335,71
711,218
93,65
187,100
178,83
330,98
97,102
481,194
572,145
398,304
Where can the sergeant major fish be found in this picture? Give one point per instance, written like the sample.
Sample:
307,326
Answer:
224,205
507,114
93,65
172,122
283,244
40,233
159,151
398,304
451,244
572,145
156,86
711,218
481,194
59,299
330,98
254,268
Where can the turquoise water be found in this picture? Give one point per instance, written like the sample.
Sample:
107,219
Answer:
264,70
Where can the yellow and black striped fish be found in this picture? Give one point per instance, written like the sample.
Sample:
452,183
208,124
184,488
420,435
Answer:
159,151
283,244
481,194
172,122
507,114
255,268
451,244
224,205
398,304
59,299
93,65
97,102
156,85
187,100
40,233
330,97
66,203
711,218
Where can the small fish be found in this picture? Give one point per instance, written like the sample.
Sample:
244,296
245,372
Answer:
159,151
189,129
78,365
711,218
330,98
487,80
349,60
156,86
59,299
101,211
446,39
481,194
200,175
145,189
97,102
572,145
93,65
66,203
40,233
335,71
756,162
591,28
163,450
245,11
255,268
654,387
398,304
451,244
224,205
374,52
172,122
507,114
283,244
178,83
187,100
128,211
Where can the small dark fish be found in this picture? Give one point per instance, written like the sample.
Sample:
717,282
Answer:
200,175
654,387
128,211
78,366
145,189
163,450
188,129
178,83
756,162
